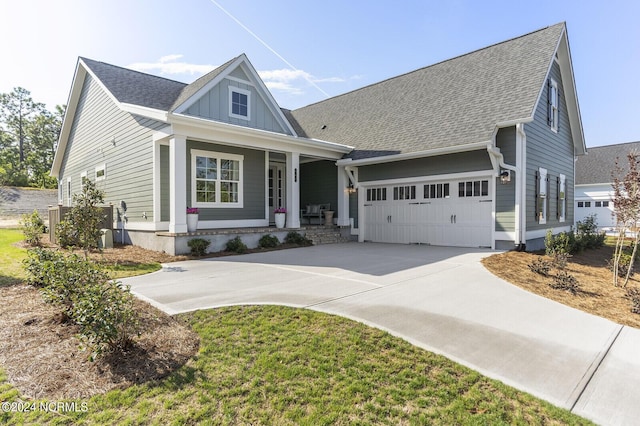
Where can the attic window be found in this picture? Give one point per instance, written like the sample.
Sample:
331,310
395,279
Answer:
239,100
553,104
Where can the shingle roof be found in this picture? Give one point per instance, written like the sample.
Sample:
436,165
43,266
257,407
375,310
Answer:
600,162
452,103
135,87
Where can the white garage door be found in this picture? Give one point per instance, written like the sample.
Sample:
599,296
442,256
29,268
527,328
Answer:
450,213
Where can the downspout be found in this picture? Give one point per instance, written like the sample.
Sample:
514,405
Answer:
521,194
497,160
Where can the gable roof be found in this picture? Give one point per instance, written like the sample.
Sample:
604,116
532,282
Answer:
453,103
136,88
597,166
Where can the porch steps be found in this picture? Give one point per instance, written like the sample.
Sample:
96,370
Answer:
325,235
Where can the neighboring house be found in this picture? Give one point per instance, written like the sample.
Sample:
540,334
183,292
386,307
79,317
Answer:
594,179
475,151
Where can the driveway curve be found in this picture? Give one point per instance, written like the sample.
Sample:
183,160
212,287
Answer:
439,298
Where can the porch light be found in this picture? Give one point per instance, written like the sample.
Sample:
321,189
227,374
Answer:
505,176
351,189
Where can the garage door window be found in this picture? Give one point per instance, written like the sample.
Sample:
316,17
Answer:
475,188
377,194
436,190
404,192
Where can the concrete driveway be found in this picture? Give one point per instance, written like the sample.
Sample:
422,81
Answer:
439,298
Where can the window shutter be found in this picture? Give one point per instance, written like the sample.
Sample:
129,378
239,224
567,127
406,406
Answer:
549,104
558,198
558,94
537,197
548,186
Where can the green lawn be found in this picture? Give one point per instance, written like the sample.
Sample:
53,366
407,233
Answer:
280,365
11,271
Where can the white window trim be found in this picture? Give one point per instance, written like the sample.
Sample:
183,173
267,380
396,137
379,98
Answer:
542,194
244,92
69,193
563,197
218,156
83,176
103,168
555,106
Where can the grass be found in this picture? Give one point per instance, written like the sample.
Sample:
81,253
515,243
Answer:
11,256
280,365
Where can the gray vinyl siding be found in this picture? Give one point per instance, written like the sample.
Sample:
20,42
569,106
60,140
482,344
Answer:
98,122
506,194
253,184
552,151
428,166
165,194
214,105
318,184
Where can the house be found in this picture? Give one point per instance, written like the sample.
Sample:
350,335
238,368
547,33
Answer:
474,151
594,179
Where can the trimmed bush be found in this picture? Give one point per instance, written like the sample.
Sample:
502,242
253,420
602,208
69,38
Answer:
295,238
236,245
198,246
540,266
565,281
32,228
268,241
40,265
633,294
67,234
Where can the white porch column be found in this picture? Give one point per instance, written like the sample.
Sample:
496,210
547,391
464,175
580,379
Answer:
178,184
343,197
293,190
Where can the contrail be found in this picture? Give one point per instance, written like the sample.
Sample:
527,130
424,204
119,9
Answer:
269,47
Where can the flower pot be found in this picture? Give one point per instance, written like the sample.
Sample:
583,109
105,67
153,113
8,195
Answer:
328,217
192,222
280,218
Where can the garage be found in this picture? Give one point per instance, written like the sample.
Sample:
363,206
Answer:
444,213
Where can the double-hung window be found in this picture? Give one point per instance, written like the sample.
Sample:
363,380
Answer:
542,201
216,179
562,198
239,103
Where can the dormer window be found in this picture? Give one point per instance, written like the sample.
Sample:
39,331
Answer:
239,100
554,100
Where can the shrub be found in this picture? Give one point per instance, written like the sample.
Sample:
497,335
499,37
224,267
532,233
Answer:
588,234
67,234
268,241
40,266
633,294
540,266
85,217
236,245
198,246
106,316
624,264
565,281
560,243
560,260
295,238
32,228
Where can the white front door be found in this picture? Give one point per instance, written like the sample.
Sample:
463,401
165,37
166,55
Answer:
277,190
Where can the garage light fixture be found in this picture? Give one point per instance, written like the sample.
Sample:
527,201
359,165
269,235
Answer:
505,176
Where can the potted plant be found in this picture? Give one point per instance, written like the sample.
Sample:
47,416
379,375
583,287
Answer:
280,214
192,219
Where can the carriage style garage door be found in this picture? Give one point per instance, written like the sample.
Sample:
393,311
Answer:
449,213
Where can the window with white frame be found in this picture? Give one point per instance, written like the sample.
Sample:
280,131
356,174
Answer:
376,194
407,192
239,103
101,172
216,179
541,207
69,195
554,100
83,177
562,198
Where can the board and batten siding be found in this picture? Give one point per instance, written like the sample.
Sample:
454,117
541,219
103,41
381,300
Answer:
506,194
97,124
214,105
318,184
253,183
470,161
552,151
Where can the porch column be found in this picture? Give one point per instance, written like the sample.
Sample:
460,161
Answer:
293,190
178,184
343,197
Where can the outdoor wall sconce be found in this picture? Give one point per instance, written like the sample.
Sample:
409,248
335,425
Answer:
505,176
351,189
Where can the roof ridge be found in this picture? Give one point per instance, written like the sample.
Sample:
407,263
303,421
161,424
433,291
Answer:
435,64
84,59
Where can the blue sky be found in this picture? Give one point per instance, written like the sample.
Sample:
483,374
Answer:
306,50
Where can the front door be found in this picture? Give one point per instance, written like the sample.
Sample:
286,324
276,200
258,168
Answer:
277,188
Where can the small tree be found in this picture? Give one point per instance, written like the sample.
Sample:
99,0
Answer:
85,216
32,228
626,206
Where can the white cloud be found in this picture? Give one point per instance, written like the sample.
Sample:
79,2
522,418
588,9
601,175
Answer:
284,80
